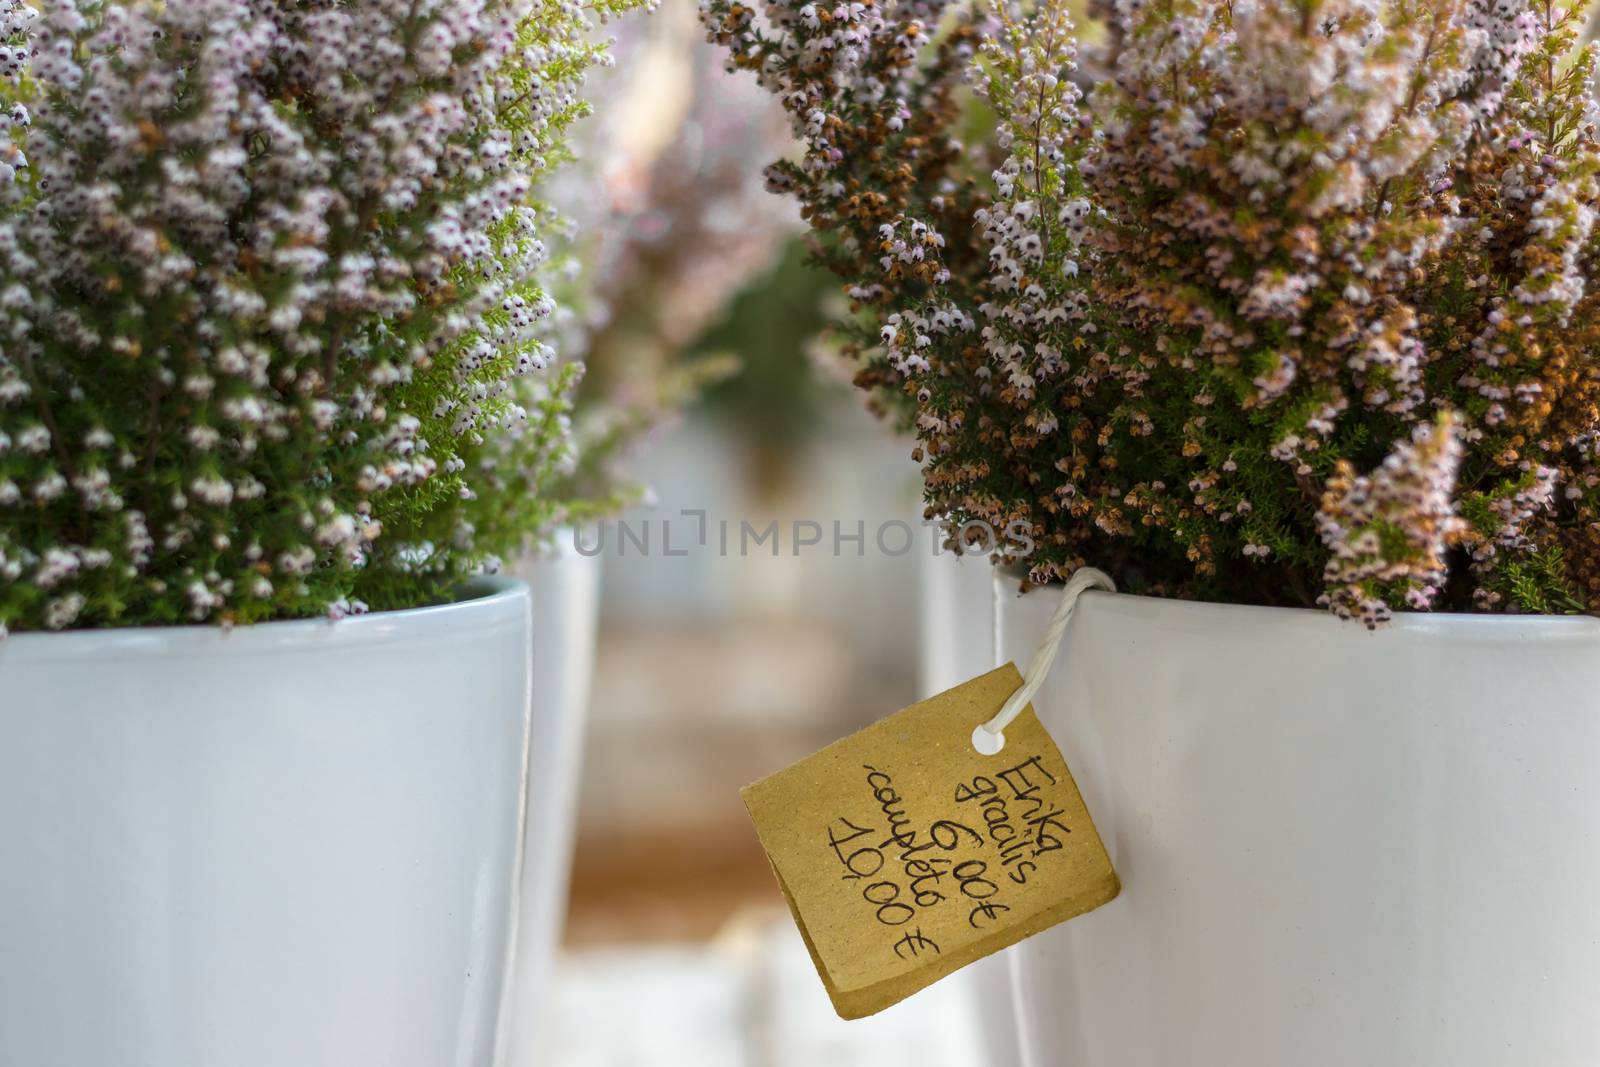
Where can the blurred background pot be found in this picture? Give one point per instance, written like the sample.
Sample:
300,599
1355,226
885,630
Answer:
958,612
566,598
1336,847
291,843
958,644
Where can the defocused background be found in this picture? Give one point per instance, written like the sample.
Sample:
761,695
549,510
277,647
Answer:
718,667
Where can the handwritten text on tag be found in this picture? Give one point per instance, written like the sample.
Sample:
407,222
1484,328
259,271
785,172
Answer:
905,854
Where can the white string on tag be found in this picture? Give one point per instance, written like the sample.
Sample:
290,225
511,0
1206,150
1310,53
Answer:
989,737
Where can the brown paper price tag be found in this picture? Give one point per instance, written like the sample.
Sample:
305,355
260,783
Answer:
906,855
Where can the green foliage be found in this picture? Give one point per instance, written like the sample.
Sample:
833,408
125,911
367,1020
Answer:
1538,583
775,398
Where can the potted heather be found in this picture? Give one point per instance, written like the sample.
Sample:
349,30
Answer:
275,395
1284,316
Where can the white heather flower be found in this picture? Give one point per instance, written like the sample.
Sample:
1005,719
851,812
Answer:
213,490
56,566
49,487
34,439
62,611
204,438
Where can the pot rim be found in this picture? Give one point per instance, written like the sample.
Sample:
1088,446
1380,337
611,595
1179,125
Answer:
488,601
1214,612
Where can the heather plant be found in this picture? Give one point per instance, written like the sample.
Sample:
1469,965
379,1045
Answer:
273,301
672,222
1293,306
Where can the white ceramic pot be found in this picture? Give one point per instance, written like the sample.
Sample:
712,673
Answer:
958,644
288,844
1337,848
566,598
